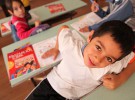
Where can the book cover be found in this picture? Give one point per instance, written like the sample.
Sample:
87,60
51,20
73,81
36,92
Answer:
55,8
41,47
22,61
88,20
5,27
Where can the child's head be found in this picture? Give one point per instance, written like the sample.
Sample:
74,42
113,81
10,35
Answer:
16,8
111,42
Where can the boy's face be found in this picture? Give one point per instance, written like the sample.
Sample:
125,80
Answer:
101,51
18,10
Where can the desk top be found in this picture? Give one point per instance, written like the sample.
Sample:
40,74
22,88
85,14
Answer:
44,14
124,92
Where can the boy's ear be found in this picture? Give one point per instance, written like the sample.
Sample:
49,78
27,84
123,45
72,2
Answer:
90,36
11,13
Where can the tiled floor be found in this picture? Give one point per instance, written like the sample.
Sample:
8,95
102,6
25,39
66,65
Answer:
19,92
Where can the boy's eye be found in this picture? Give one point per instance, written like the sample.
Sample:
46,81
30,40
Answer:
109,59
98,48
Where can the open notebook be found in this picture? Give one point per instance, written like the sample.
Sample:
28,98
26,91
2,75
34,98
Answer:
88,20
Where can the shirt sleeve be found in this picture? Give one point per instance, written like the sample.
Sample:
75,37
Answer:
68,39
102,13
64,38
119,65
23,31
123,11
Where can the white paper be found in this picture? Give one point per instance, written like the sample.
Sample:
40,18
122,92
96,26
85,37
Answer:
88,20
41,47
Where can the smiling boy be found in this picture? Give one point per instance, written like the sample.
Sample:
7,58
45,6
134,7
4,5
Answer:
84,64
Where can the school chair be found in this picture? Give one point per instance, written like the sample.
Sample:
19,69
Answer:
13,31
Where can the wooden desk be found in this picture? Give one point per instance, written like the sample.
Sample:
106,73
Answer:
44,14
125,92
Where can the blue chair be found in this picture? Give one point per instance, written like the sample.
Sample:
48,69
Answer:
14,34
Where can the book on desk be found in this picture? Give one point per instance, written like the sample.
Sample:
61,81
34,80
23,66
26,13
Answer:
25,60
87,20
4,28
55,8
21,62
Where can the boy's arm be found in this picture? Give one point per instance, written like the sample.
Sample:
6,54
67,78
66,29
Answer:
124,12
54,51
112,81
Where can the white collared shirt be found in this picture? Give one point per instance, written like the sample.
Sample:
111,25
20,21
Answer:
72,78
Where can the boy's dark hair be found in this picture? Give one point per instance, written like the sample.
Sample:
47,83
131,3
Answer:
9,4
121,33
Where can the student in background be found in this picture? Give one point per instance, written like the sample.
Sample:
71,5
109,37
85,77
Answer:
124,12
84,64
16,9
19,20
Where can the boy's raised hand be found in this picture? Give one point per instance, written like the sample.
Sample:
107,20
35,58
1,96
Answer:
84,29
94,7
52,52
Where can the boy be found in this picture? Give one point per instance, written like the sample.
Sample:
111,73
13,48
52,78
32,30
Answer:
112,81
83,65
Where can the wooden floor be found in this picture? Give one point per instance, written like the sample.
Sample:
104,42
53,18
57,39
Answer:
19,92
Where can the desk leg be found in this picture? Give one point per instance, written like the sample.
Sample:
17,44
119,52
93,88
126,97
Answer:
33,81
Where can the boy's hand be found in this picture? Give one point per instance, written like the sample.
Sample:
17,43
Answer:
112,81
37,23
84,29
52,52
94,7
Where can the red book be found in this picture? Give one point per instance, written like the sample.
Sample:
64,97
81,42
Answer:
5,27
22,61
55,8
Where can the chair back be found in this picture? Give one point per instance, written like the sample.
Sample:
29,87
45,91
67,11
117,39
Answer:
14,33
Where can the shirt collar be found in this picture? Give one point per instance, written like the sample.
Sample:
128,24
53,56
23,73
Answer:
83,47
